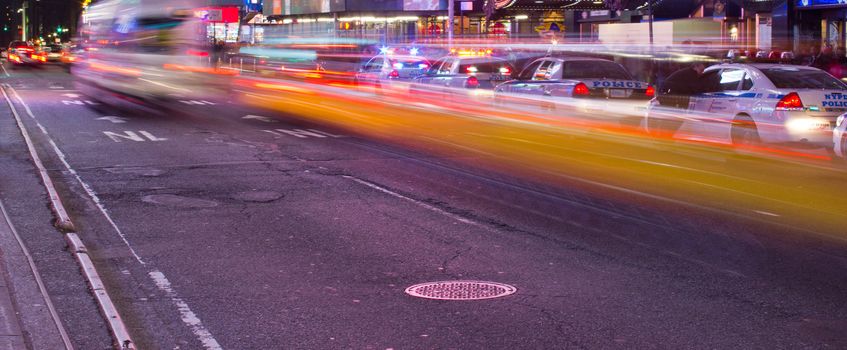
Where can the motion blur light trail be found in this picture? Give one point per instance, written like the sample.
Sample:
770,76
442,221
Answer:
784,188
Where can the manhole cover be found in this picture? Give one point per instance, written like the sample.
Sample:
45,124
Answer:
460,290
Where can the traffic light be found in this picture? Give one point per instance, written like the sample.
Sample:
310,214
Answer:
5,28
59,29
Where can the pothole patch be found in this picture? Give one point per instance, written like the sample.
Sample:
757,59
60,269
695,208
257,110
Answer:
179,201
151,172
258,196
460,290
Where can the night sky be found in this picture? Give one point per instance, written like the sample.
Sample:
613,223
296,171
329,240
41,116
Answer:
49,14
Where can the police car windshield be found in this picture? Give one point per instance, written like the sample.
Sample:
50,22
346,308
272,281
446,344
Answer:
594,70
794,78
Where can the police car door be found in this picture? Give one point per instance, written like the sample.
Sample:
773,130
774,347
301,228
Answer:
521,85
432,73
731,99
447,71
541,78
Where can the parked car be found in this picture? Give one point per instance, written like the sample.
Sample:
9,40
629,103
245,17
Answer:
465,72
23,53
758,103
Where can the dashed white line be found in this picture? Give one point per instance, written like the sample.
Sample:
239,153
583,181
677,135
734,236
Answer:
5,71
419,203
188,316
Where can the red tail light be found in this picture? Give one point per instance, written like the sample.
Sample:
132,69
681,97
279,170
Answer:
789,102
472,83
581,90
505,70
394,74
197,53
650,91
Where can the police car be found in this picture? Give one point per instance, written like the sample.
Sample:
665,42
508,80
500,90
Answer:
390,67
579,78
754,103
472,72
596,88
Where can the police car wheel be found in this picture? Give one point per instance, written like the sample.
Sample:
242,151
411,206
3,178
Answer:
844,145
744,131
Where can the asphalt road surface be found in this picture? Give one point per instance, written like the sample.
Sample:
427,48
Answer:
215,226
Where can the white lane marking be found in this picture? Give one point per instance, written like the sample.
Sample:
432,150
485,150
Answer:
766,213
113,119
132,136
79,102
198,102
71,95
260,118
158,277
5,71
303,134
419,203
188,316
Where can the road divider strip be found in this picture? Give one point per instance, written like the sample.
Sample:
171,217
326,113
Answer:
116,324
63,221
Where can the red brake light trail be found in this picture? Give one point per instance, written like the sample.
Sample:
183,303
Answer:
789,102
581,90
394,74
472,82
650,91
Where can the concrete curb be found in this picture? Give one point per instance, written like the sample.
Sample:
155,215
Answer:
63,221
107,307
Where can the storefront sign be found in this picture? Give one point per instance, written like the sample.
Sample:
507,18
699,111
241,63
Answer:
218,14
599,13
821,3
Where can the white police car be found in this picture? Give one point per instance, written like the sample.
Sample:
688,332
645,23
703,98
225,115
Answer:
753,103
577,77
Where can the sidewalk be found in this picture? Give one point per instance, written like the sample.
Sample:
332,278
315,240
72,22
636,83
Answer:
25,319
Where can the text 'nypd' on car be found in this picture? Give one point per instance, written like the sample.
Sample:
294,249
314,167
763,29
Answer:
579,78
753,103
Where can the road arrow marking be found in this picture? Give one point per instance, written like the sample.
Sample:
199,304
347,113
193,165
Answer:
116,120
259,117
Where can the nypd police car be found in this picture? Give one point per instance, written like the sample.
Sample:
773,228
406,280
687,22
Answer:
753,103
577,77
471,72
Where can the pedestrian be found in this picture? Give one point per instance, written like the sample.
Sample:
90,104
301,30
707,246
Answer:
824,58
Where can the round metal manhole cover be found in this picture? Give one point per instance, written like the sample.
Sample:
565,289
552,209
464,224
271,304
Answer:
460,290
